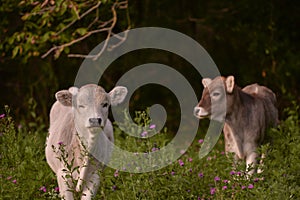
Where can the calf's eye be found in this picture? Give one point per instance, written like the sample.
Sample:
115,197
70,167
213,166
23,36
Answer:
105,105
81,106
215,94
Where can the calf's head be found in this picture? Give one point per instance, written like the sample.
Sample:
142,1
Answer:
90,105
215,101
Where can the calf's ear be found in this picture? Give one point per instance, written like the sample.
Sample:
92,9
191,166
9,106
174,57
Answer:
65,96
229,84
117,95
206,81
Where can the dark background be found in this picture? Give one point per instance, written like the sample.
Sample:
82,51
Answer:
256,41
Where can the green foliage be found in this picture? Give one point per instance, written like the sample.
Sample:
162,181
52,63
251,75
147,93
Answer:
61,24
24,173
23,169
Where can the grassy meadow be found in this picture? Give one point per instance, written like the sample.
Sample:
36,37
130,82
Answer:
24,173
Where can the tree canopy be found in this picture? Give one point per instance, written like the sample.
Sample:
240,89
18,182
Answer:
42,43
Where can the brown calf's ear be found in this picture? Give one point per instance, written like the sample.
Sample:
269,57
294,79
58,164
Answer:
206,81
229,84
64,97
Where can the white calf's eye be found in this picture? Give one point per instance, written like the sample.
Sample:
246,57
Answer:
104,105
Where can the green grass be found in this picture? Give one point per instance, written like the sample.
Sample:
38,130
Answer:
24,173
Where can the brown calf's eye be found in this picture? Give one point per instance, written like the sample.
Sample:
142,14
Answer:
215,94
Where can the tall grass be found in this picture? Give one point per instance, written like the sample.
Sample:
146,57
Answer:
24,173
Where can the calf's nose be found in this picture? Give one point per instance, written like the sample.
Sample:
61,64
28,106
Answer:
197,111
95,121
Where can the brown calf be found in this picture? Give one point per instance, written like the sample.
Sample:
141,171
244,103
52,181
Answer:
249,112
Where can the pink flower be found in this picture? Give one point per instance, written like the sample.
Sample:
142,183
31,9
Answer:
256,180
225,181
60,143
217,178
114,187
14,181
144,134
152,126
232,173
172,173
190,159
181,163
212,191
243,187
250,186
190,170
56,189
200,141
43,188
116,174
8,178
2,116
222,153
224,187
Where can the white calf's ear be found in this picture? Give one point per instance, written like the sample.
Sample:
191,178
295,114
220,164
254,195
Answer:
229,84
64,97
206,81
73,90
117,95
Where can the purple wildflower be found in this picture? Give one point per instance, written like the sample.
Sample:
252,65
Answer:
172,173
256,180
56,189
190,170
239,173
154,149
181,163
225,181
250,186
200,175
43,188
232,173
14,181
224,187
144,134
60,143
190,159
200,141
114,187
2,116
217,178
212,191
152,126
243,187
8,178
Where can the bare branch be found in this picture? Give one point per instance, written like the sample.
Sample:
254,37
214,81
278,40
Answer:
80,17
61,47
101,28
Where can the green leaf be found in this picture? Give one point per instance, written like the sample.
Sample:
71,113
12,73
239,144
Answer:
81,31
15,51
